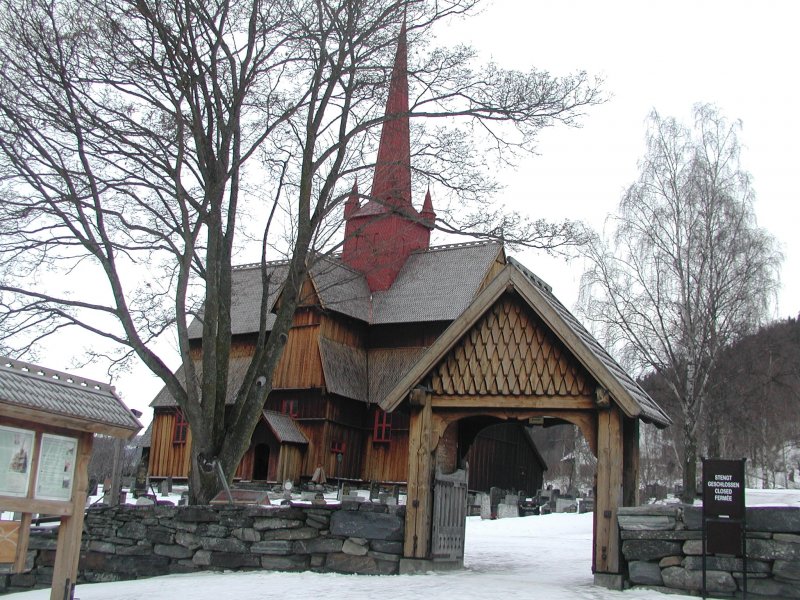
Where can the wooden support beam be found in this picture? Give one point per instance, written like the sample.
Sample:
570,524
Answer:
609,491
68,550
420,472
630,464
516,402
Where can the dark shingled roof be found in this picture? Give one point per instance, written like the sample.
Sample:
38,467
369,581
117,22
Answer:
345,369
28,386
436,284
650,410
238,369
284,428
387,366
246,289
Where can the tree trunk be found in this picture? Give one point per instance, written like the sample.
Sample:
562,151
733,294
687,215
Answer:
689,464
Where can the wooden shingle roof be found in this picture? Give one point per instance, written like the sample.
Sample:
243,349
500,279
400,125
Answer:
628,395
284,428
33,392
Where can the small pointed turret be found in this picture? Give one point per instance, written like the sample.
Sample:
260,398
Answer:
427,214
353,204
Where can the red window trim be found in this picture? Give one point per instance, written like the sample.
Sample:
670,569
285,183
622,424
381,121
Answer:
289,407
180,429
338,447
382,428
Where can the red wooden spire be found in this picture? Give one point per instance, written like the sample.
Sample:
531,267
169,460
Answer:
391,185
381,234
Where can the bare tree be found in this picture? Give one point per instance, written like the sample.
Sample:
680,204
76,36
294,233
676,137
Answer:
142,142
686,270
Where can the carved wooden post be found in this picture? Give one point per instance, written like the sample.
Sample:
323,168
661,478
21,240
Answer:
609,497
65,568
420,470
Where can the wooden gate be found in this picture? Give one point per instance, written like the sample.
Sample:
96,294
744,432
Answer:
449,516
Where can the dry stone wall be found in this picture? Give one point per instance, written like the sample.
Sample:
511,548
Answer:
663,548
129,542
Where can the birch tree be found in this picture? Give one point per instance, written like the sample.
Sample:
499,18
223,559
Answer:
686,270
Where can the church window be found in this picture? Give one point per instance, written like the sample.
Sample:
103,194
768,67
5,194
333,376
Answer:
382,431
338,447
289,407
180,428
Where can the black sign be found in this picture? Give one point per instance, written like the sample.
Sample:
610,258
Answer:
723,488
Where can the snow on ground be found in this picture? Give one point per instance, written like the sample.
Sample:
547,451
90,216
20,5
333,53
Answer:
540,557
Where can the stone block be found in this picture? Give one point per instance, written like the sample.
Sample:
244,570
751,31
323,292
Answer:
223,544
725,563
234,560
188,539
172,551
160,535
353,548
361,565
771,587
387,547
787,569
384,556
647,518
302,533
644,573
773,550
272,524
692,517
102,547
212,530
682,535
670,561
276,547
202,558
649,549
779,519
684,579
132,529
285,563
138,550
367,525
318,546
693,547
246,534
786,537
195,514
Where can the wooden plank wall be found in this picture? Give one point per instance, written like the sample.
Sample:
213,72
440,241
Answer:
168,459
300,365
501,457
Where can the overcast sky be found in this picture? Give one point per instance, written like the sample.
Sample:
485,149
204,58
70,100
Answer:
741,56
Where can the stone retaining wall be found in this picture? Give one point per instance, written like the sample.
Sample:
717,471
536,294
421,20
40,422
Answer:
129,542
662,546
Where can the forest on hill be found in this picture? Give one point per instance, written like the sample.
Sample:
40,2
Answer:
752,411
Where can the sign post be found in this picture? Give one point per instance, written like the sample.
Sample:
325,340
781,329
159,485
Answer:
724,513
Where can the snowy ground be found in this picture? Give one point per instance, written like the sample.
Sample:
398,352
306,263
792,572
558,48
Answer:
542,557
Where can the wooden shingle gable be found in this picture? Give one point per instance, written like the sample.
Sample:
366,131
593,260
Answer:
579,344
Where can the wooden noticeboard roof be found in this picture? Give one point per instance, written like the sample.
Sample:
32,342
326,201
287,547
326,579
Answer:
33,393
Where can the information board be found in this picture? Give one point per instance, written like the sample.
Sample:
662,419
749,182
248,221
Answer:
723,488
16,453
56,472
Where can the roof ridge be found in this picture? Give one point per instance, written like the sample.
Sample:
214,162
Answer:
535,279
27,369
270,263
459,245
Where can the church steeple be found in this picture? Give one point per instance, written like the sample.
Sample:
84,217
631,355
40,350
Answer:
391,184
382,234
